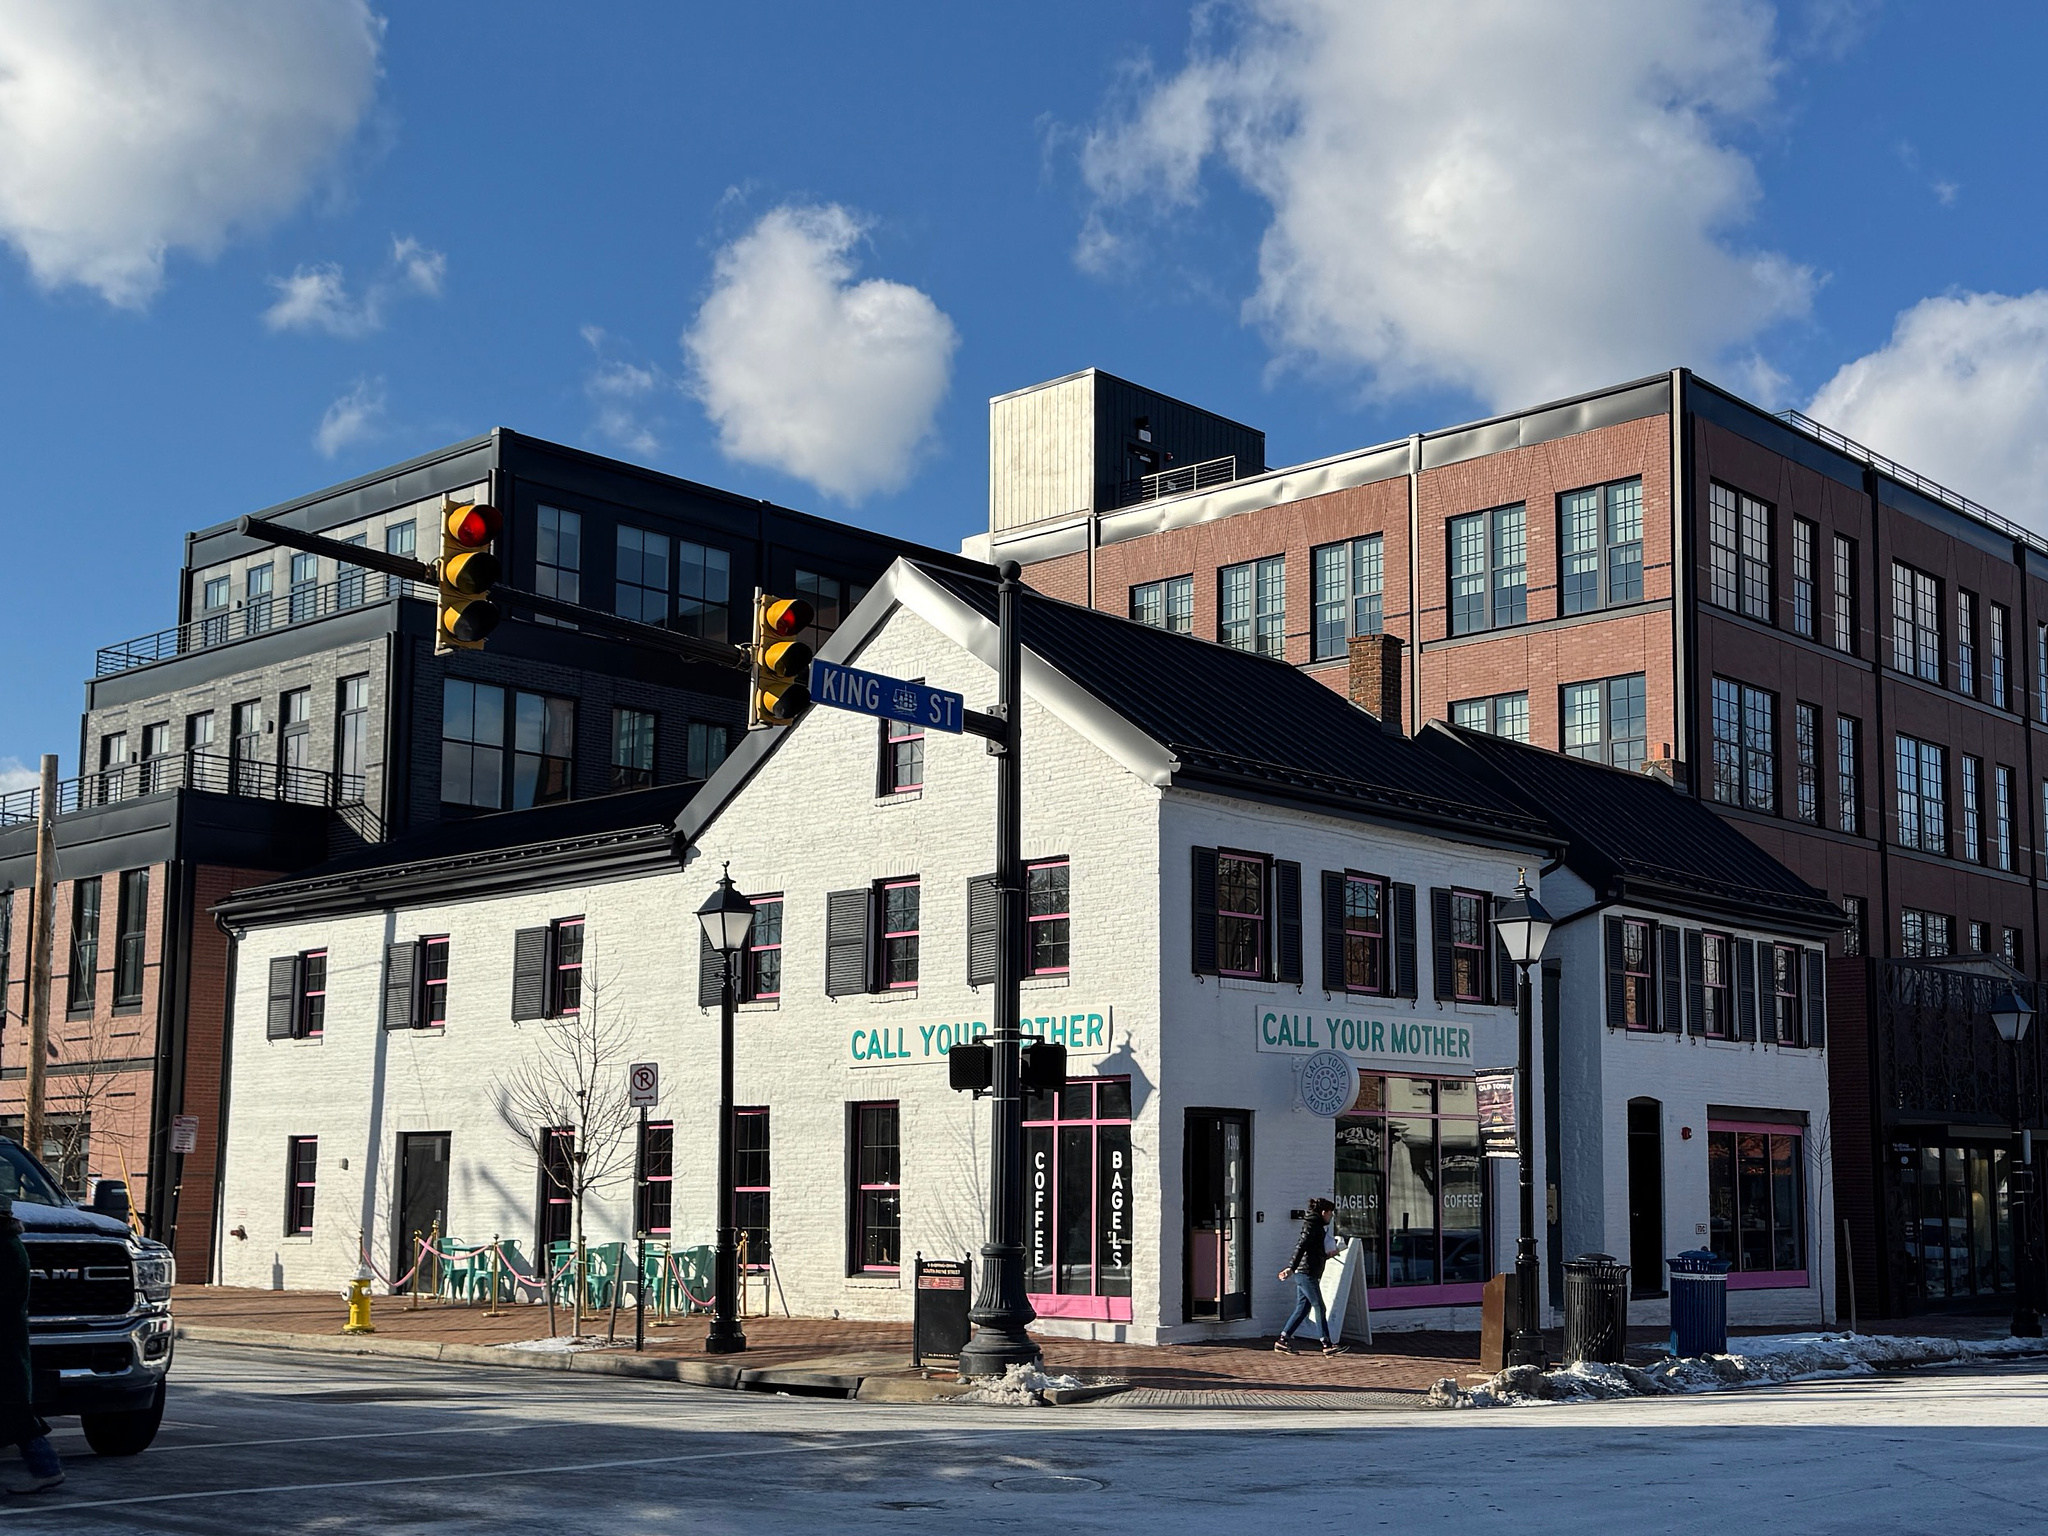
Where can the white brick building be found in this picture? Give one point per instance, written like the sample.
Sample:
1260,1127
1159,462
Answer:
1190,812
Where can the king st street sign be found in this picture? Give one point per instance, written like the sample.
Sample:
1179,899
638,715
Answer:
886,698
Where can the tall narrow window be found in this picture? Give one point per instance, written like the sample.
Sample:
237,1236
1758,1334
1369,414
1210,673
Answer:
2001,623
1167,605
1240,914
1973,812
566,985
83,983
1806,760
878,1189
543,749
130,930
1848,773
1046,944
1978,941
640,591
558,556
311,1022
1470,936
1804,534
1855,939
1842,631
1365,934
302,1165
1916,623
704,591
1350,587
295,744
1716,985
258,586
706,745
114,779
401,538
900,919
1966,642
655,1215
352,733
1637,976
1756,559
1605,721
350,580
1489,570
472,744
2041,671
304,597
1739,552
1600,545
156,776
632,748
750,1184
1745,746
1723,555
1252,606
902,757
2009,946
246,748
1920,770
213,615
2002,803
762,973
434,979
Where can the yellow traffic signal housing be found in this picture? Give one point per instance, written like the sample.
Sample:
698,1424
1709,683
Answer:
467,571
780,690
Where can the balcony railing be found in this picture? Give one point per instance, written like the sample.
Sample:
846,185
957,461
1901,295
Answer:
256,616
1177,482
207,771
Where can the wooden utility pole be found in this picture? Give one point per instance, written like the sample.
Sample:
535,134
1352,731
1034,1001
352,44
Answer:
42,929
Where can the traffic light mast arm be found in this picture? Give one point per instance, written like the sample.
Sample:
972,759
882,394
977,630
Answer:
334,549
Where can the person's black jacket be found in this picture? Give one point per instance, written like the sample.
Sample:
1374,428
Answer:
1308,1252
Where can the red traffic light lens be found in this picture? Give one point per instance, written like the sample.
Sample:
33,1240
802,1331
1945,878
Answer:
473,526
785,615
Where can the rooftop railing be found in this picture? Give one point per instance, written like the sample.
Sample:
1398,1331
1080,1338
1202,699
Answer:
256,616
208,771
1177,482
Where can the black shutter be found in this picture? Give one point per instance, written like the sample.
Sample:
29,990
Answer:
848,941
1502,977
710,972
530,973
402,985
1745,990
1617,975
284,997
1671,1018
984,924
1204,944
1440,942
1816,997
1333,930
1405,981
1695,983
1287,903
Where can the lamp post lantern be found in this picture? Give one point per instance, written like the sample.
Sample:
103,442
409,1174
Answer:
1524,928
2010,1016
728,919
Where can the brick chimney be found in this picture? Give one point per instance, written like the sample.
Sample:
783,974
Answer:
1375,685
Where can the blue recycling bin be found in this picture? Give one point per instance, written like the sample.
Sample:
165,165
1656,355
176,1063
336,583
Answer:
1699,1303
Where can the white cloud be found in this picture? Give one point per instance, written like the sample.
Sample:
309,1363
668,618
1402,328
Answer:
624,395
16,775
316,298
1511,199
353,416
805,370
1959,394
131,128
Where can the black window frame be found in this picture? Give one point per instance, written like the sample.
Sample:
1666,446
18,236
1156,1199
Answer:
1615,562
635,734
1503,603
131,937
81,985
1167,604
301,1184
1048,917
1917,641
1968,611
1806,804
1842,597
1354,563
1500,708
1264,629
553,778
1607,745
631,572
1911,759
1805,539
1741,565
1741,759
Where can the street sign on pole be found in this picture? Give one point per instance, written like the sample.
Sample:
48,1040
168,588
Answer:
184,1134
886,698
644,1084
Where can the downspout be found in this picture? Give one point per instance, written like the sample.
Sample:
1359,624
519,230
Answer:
227,1073
1415,582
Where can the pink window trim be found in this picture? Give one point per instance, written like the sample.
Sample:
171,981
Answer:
1768,1280
576,965
1768,1127
754,949
1099,1309
891,740
906,933
1047,917
1390,1296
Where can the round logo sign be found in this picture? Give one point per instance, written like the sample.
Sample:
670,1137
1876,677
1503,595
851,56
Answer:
1329,1084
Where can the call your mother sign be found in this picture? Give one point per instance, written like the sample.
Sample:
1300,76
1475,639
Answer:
1445,1047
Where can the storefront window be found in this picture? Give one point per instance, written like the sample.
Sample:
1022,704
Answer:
1756,1216
1958,1224
878,1192
1077,1199
1409,1186
750,1188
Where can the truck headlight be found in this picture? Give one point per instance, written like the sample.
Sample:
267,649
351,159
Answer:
154,1274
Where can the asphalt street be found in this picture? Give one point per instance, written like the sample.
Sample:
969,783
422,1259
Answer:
265,1441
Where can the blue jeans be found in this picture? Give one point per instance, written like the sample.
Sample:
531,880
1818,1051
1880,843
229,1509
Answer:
1308,1297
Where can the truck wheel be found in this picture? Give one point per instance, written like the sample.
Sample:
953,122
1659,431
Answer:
124,1434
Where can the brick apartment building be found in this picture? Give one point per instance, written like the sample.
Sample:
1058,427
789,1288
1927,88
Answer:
1846,661
296,711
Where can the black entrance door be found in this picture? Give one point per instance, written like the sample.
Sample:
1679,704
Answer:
1216,1198
422,1200
1646,1254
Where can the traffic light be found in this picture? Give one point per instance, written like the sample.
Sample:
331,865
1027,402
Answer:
780,690
467,571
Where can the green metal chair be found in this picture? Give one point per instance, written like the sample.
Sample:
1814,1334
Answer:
602,1263
561,1282
463,1273
694,1269
653,1280
513,1268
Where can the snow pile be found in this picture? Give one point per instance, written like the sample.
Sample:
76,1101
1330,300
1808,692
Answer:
569,1344
1759,1361
1021,1386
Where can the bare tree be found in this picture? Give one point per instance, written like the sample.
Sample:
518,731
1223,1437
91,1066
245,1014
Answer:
84,1072
574,1081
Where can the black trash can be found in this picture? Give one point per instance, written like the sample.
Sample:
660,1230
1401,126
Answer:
1699,1303
1595,1309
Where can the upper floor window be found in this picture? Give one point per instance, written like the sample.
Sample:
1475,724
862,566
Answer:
1842,626
2003,809
640,590
1804,535
311,1021
703,591
1717,985
1489,570
543,749
434,979
1633,968
761,976
900,918
1745,746
1167,605
1921,770
1966,642
1365,934
1806,761
2001,627
1240,914
705,745
1973,809
258,583
130,935
1252,606
302,1161
632,748
352,730
1739,552
1505,714
295,722
1848,773
304,596
1470,936
1350,592
825,595
472,744
1916,623
902,757
1605,721
83,983
401,538
1046,948
1925,935
558,555
1600,542
565,990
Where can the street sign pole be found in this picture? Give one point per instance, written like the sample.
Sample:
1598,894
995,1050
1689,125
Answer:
1002,1311
640,1237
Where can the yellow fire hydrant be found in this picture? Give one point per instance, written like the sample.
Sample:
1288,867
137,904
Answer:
359,1303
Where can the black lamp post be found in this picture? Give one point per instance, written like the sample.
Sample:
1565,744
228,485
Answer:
2010,1015
1524,928
728,918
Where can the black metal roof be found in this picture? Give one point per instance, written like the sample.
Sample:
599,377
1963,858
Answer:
1632,836
1246,724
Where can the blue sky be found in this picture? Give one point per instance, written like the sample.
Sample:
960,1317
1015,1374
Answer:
248,251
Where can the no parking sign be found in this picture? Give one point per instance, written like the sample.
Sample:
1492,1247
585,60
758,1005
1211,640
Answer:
643,1083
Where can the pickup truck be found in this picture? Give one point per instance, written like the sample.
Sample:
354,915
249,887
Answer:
99,1307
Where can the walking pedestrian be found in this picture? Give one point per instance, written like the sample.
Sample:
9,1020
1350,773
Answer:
19,1424
1316,1244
